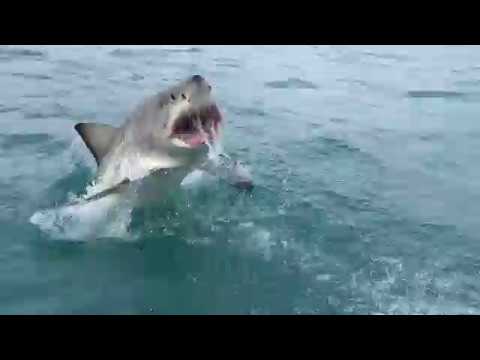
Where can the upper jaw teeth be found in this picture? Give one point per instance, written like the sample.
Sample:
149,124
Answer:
205,117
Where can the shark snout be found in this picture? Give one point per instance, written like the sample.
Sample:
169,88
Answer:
200,83
198,79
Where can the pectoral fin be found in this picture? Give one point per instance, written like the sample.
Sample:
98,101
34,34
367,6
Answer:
124,185
120,187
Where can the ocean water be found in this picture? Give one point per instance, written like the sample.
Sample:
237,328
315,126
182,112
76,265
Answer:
364,159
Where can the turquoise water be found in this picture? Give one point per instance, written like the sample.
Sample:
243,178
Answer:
365,160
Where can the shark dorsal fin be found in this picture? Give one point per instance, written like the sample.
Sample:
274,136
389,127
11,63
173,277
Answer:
97,137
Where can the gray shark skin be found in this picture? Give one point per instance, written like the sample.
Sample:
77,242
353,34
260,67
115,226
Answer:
162,140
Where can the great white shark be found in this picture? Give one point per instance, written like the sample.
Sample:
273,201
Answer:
165,138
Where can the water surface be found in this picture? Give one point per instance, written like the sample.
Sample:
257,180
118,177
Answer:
365,160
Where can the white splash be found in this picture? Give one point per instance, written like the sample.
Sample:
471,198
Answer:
84,221
110,216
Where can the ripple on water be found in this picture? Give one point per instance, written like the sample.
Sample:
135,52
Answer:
442,94
7,109
55,111
32,76
436,136
11,141
291,83
136,77
183,50
73,67
387,56
338,120
330,146
247,111
227,62
131,53
42,143
12,53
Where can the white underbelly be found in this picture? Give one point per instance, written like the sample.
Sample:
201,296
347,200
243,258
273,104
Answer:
133,166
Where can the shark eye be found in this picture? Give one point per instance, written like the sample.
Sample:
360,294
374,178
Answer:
172,96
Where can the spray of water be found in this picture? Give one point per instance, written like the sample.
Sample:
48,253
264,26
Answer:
80,220
83,221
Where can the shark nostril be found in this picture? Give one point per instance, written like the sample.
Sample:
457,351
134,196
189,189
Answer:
197,78
172,96
209,88
184,97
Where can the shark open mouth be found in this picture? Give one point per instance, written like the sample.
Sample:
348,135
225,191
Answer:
197,127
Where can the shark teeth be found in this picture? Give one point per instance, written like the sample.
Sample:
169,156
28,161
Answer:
190,128
179,142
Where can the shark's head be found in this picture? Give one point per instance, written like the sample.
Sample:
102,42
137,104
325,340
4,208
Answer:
188,115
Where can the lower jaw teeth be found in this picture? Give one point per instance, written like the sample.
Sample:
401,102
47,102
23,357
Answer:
180,143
